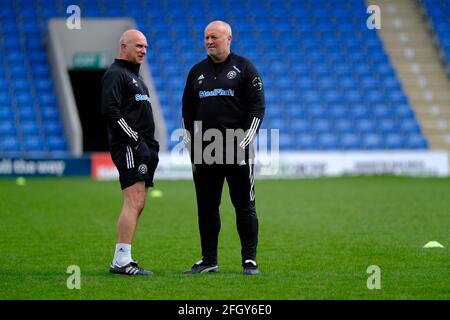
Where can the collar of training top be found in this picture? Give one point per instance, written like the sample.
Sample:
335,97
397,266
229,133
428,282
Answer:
133,67
226,60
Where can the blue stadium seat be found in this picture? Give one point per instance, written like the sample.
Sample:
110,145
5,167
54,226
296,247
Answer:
5,98
37,58
327,141
10,42
317,112
10,144
375,97
19,70
349,141
40,70
361,112
300,126
394,141
388,126
30,128
332,96
35,44
354,97
397,97
344,125
6,114
293,112
438,13
49,112
56,143
53,128
346,83
286,141
44,85
306,142
409,126
7,128
416,141
403,112
372,141
3,83
24,99
339,111
322,126
27,112
382,111
33,143
20,84
365,126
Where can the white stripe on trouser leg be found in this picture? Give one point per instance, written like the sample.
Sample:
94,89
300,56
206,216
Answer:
252,180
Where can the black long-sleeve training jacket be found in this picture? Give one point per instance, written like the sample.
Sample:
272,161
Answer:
227,95
126,106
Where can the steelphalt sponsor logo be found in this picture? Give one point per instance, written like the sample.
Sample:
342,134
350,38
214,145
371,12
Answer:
216,92
142,97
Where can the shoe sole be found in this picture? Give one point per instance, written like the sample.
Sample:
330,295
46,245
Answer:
127,274
207,270
212,269
251,273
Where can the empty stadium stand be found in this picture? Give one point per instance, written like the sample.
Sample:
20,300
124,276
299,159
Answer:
439,13
329,83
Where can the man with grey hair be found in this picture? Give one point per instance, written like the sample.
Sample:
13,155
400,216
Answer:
134,149
224,92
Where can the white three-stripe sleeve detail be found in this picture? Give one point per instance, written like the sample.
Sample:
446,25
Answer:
133,133
186,138
127,129
124,128
243,142
251,133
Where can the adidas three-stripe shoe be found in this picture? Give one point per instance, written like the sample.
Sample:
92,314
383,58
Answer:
202,267
250,268
131,269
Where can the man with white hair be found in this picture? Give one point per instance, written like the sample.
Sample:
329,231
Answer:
134,149
223,92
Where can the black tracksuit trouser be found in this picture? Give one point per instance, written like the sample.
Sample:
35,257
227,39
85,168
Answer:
209,180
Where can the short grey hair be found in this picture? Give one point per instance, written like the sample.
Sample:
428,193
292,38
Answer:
123,38
227,26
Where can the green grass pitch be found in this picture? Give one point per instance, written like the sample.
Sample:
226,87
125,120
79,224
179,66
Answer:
317,239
